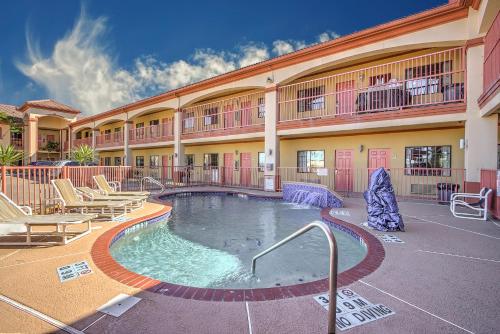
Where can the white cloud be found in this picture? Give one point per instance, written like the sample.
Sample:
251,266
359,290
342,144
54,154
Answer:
82,72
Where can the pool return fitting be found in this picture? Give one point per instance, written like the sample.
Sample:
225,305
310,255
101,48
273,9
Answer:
333,264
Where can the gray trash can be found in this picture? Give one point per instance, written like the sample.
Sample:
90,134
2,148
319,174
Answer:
444,191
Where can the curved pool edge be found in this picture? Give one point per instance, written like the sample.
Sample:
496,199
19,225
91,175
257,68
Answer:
107,264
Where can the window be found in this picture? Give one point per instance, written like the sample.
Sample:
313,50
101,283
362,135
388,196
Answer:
262,161
118,161
189,160
426,79
139,130
118,129
210,160
308,160
139,125
418,159
139,161
211,116
380,79
78,135
107,132
188,120
311,99
261,111
107,161
154,161
154,122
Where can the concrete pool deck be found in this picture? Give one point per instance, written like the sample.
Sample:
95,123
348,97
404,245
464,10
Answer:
443,278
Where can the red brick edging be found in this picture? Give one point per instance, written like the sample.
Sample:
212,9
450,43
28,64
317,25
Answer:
105,262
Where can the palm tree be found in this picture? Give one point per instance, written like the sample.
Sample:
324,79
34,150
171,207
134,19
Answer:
83,154
9,155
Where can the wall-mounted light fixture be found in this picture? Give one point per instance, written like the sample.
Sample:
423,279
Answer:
270,151
361,148
175,154
270,80
462,143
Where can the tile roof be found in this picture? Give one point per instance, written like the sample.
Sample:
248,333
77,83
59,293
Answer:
48,104
10,110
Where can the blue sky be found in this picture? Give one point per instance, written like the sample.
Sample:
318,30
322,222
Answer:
96,55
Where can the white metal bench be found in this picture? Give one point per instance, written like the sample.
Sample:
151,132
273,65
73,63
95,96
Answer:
477,210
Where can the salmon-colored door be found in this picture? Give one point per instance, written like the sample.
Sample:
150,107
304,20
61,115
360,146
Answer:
343,170
345,97
246,113
164,168
228,168
378,157
229,116
246,169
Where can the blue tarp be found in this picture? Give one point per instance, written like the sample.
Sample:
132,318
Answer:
382,207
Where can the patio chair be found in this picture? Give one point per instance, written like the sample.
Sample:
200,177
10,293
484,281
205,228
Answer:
113,188
479,209
95,195
71,200
13,215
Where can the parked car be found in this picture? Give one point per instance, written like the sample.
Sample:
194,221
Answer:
38,172
63,163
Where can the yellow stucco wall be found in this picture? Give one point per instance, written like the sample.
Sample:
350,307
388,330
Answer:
249,147
111,126
154,116
396,141
146,153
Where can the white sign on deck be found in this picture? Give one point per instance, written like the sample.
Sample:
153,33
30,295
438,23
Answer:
390,238
74,270
119,305
340,212
354,310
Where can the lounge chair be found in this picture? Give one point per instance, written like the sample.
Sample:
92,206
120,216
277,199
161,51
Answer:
477,210
113,188
95,195
17,216
71,200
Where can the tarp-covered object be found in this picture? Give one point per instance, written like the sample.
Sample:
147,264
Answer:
383,211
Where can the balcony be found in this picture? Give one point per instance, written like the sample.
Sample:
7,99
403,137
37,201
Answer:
45,145
152,134
82,141
242,114
114,139
491,66
404,85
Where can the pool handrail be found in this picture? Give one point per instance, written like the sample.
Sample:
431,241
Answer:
153,181
333,264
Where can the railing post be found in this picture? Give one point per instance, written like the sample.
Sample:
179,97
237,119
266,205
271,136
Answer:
64,172
4,179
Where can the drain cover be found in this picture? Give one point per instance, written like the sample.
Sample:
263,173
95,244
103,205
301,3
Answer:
119,305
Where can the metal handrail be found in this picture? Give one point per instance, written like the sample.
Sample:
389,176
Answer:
333,264
152,180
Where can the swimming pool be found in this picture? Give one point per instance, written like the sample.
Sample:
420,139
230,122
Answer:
209,242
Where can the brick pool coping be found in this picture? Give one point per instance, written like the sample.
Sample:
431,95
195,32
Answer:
106,263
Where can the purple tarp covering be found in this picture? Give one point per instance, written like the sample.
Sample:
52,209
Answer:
383,211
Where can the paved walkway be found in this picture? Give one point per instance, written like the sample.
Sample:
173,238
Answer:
443,278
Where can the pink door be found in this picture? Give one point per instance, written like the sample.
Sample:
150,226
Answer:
378,157
246,113
246,171
164,168
343,170
229,116
345,97
228,168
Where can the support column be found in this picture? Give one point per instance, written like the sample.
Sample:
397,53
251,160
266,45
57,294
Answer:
271,140
31,139
127,152
481,133
179,158
95,132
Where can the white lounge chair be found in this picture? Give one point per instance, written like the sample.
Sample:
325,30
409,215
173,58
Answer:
477,210
14,217
113,188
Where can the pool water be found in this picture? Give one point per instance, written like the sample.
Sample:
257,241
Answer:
209,242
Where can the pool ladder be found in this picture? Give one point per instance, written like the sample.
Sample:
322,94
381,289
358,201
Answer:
333,264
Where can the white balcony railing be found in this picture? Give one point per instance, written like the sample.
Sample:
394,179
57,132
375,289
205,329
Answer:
431,79
234,113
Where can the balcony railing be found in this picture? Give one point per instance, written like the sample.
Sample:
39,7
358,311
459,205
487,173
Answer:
225,115
109,139
491,71
431,79
81,141
152,134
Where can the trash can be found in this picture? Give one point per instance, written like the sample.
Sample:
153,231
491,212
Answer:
444,191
